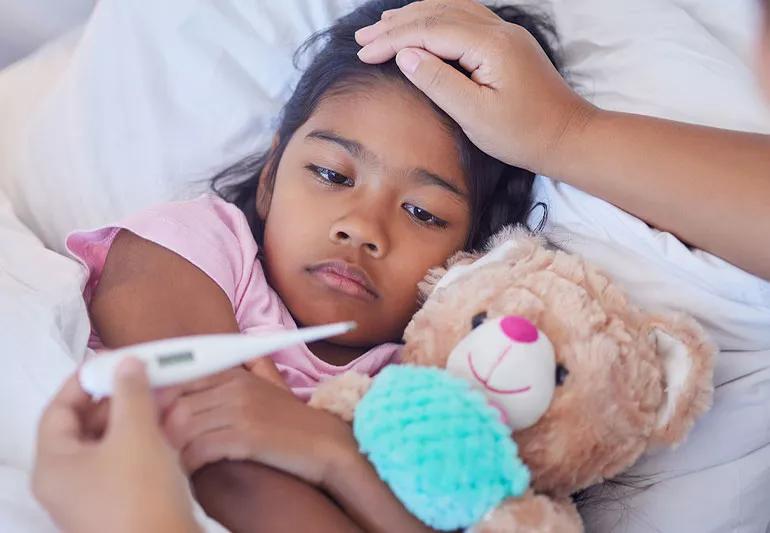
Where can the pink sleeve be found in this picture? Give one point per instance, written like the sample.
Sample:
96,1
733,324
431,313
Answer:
208,232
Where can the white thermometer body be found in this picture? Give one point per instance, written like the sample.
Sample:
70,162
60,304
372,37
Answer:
172,361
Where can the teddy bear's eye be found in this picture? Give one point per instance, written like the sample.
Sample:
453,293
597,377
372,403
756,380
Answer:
478,319
561,374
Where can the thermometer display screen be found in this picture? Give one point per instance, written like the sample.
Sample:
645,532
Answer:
175,358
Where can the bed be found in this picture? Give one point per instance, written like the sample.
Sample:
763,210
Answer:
142,101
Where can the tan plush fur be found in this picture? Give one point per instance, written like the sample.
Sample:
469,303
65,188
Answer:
606,414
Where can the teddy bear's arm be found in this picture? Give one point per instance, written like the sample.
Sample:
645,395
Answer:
341,394
532,513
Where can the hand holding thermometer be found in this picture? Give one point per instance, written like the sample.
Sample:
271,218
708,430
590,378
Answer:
173,361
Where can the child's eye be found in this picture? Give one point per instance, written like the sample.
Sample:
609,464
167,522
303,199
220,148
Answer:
329,176
424,217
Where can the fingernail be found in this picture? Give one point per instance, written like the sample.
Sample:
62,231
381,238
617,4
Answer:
362,53
360,34
408,60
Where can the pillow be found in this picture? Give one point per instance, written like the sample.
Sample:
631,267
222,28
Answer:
24,26
43,331
683,60
146,100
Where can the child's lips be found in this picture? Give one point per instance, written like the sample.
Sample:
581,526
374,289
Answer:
345,278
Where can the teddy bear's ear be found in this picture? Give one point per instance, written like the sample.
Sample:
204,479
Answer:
687,363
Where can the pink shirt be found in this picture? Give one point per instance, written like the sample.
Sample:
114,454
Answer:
214,236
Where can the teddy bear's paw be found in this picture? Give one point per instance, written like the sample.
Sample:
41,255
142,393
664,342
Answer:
341,395
532,513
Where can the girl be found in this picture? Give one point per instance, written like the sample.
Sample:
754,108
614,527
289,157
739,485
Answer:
366,186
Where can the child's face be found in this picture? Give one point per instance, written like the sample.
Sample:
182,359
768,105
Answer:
369,194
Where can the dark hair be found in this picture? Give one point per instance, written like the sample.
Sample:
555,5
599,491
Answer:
499,194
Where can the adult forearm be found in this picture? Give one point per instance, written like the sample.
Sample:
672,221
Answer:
708,186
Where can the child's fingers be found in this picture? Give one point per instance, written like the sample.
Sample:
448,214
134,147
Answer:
212,447
167,395
265,368
194,414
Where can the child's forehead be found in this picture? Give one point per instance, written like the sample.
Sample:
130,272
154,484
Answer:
394,125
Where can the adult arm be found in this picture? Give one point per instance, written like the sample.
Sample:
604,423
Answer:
708,186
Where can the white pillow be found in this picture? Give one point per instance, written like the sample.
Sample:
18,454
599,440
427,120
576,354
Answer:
684,60
148,98
43,331
24,26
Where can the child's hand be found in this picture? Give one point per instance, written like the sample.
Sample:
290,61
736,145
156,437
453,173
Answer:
127,479
516,106
239,416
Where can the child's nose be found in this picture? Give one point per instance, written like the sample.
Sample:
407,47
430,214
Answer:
342,237
519,329
359,233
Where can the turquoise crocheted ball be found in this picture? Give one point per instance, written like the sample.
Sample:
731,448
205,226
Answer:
438,445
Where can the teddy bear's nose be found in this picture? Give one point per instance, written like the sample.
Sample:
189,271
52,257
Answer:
519,329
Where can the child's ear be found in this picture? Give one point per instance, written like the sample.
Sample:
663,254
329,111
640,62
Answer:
687,363
264,192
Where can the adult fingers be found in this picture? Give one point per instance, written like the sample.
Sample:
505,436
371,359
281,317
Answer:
429,11
95,419
62,419
132,409
448,38
444,85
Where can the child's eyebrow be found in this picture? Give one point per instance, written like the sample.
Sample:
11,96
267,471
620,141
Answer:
429,178
355,148
359,151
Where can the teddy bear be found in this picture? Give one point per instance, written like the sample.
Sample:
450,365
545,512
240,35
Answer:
584,381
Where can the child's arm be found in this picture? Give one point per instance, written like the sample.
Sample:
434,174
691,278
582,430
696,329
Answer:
147,292
239,416
248,496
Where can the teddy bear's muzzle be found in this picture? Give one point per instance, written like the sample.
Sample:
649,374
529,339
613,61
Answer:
512,363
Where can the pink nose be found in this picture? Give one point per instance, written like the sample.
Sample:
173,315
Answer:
519,329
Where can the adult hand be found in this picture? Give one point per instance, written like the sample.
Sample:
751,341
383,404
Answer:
237,415
124,477
515,106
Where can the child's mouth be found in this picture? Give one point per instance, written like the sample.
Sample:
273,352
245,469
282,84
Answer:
345,278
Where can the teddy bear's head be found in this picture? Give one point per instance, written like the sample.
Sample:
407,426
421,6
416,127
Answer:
586,381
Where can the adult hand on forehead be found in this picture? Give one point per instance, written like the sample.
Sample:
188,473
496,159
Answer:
515,106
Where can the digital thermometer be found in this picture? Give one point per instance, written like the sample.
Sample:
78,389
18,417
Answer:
172,361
